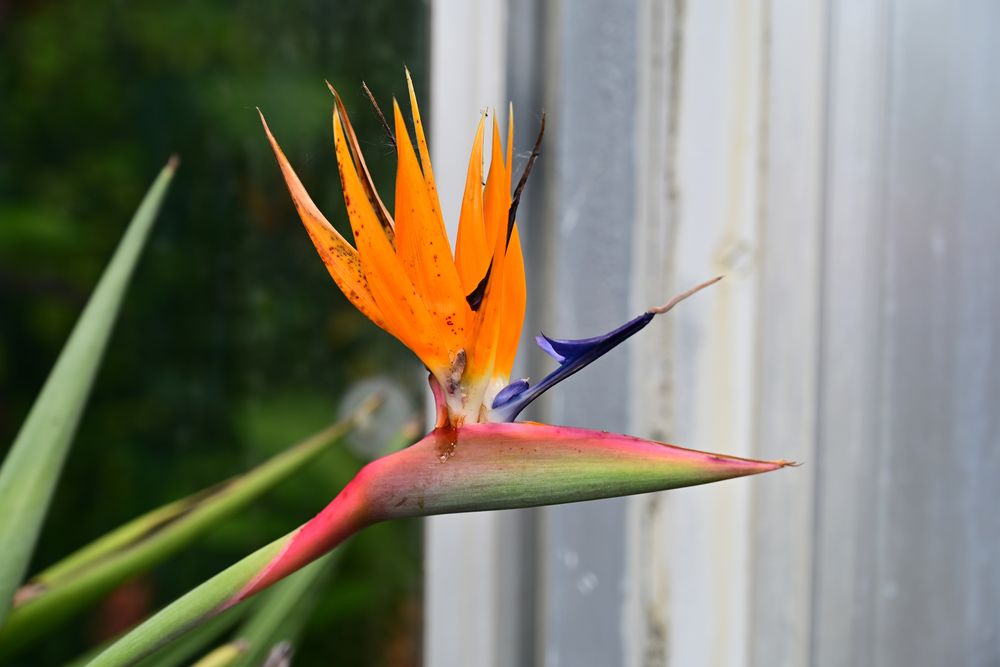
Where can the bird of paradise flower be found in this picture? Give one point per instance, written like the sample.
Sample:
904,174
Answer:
462,314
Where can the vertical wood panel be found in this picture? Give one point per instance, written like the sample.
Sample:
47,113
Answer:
465,554
661,45
939,530
910,438
590,169
847,465
694,377
787,384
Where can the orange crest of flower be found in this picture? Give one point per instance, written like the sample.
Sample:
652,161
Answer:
461,314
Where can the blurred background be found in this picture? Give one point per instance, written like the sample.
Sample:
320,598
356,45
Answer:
836,160
233,343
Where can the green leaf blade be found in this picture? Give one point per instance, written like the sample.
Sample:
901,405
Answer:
283,611
192,609
31,469
69,586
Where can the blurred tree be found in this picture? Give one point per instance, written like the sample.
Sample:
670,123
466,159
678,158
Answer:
233,342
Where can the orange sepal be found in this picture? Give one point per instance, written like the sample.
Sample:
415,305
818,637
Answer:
340,258
496,196
514,287
423,249
359,163
425,156
406,316
496,204
515,296
472,254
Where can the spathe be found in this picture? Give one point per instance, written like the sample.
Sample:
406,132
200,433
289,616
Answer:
494,466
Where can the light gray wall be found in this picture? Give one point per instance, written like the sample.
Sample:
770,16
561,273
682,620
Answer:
839,162
907,529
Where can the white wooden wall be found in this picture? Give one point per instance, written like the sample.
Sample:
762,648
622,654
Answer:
838,161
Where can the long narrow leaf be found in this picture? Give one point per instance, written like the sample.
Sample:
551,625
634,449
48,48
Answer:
282,611
195,607
72,584
32,467
275,620
223,656
180,652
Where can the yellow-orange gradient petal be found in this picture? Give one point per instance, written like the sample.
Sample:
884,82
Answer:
406,316
340,258
472,254
422,246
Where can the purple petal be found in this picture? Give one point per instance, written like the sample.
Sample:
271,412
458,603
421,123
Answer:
572,356
510,392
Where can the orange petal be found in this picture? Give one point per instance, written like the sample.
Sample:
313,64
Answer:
486,333
340,258
514,300
425,156
514,287
496,197
406,316
359,163
496,204
472,254
422,246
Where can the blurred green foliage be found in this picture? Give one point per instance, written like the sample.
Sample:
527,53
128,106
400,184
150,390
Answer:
233,342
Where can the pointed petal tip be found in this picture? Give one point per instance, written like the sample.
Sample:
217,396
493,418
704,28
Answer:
173,162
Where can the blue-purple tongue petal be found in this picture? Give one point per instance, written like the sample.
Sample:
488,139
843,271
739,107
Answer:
510,392
564,350
572,356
